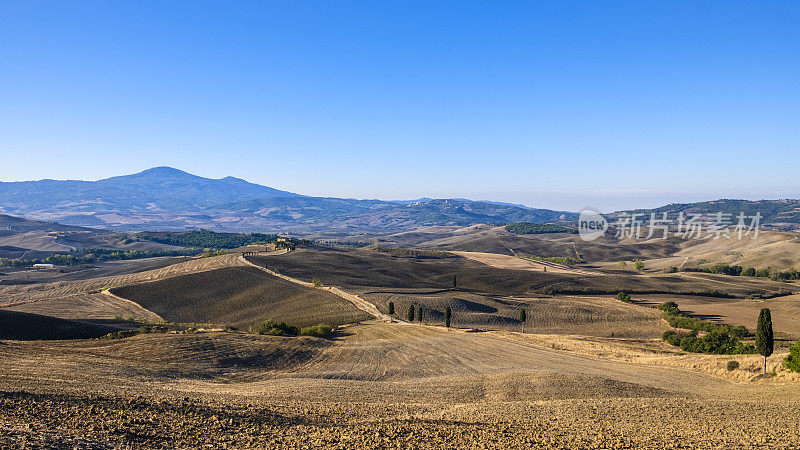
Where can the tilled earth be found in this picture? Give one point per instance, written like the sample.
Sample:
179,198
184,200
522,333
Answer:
52,420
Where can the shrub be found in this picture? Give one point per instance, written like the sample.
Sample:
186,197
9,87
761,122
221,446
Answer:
623,297
732,365
272,328
638,265
316,282
792,362
321,330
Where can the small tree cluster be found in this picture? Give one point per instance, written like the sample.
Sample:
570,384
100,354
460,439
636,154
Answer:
623,297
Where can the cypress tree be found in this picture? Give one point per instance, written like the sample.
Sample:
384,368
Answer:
419,314
454,282
447,315
391,308
411,313
764,339
523,316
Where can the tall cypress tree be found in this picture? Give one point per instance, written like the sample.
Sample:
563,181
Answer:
410,313
391,308
419,314
764,339
454,282
447,315
523,316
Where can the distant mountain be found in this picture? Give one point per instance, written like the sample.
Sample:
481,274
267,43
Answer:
165,198
773,212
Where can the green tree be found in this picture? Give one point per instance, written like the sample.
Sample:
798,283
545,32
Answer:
419,314
623,297
447,315
622,264
523,316
454,282
410,315
764,338
792,362
391,308
638,265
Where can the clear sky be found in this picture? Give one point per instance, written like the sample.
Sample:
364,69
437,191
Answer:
555,104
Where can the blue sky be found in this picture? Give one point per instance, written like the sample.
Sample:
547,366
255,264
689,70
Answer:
555,104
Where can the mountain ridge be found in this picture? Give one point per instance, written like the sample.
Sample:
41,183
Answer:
163,198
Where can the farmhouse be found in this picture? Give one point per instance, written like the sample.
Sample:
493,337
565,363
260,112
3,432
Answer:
44,266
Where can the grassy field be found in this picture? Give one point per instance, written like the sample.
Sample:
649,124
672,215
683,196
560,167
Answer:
240,297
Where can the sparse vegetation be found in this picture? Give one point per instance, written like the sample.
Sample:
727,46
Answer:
623,297
563,260
638,265
732,365
272,328
417,253
207,239
142,330
537,228
792,361
320,330
719,339
316,282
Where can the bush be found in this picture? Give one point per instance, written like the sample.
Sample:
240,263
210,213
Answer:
717,342
792,362
272,328
732,365
638,265
316,282
623,297
320,330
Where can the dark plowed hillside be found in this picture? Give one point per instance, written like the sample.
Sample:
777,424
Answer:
360,268
594,316
240,297
369,268
33,327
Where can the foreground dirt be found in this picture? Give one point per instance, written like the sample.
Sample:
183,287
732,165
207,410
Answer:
379,385
29,420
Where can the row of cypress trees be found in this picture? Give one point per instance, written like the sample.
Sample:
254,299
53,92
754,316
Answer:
416,312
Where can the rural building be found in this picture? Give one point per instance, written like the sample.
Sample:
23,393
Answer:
44,266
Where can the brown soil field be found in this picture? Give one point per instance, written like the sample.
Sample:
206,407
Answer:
240,297
514,263
84,298
571,315
785,310
384,385
31,327
357,268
